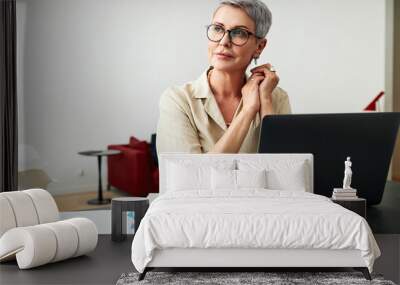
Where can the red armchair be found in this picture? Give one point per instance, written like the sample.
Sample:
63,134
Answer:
134,170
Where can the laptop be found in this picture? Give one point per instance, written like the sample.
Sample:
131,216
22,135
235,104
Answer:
368,138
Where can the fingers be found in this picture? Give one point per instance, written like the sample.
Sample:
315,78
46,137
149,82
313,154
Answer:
266,69
270,76
256,75
252,84
259,68
265,72
256,78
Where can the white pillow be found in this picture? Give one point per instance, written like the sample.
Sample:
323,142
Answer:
251,178
227,179
223,179
281,174
290,179
182,178
188,174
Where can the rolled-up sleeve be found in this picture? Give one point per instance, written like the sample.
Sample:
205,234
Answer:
176,131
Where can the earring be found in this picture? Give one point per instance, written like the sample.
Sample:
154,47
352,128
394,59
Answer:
255,60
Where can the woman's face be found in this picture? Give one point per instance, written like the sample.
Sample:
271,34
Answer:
224,55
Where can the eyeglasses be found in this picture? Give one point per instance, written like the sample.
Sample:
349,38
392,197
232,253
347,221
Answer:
237,36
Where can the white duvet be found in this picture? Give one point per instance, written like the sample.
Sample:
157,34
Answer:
251,218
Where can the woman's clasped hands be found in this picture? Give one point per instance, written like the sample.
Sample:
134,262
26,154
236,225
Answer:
257,92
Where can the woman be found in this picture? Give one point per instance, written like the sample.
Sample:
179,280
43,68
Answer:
221,111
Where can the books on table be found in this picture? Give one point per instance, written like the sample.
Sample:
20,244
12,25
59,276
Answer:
344,194
341,190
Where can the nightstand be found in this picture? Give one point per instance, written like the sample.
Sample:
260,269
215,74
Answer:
119,207
358,205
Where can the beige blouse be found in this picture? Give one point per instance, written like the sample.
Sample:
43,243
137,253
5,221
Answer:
190,120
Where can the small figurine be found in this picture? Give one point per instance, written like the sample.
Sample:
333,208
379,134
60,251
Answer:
347,174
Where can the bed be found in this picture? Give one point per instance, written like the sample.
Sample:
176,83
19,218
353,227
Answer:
246,211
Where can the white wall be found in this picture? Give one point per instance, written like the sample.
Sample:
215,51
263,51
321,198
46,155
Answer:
93,70
330,54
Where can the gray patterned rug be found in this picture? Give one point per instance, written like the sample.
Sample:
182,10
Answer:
243,278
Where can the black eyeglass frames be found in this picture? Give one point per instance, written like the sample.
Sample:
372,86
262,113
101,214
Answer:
237,36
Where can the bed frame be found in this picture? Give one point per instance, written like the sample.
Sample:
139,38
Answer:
241,259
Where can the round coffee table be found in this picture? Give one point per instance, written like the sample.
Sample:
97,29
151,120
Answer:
99,153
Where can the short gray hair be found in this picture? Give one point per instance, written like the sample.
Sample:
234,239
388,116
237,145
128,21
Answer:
257,11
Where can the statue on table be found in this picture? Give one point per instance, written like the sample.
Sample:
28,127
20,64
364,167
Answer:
347,174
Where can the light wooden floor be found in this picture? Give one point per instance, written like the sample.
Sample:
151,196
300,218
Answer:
78,201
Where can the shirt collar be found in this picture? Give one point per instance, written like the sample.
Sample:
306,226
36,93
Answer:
201,87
